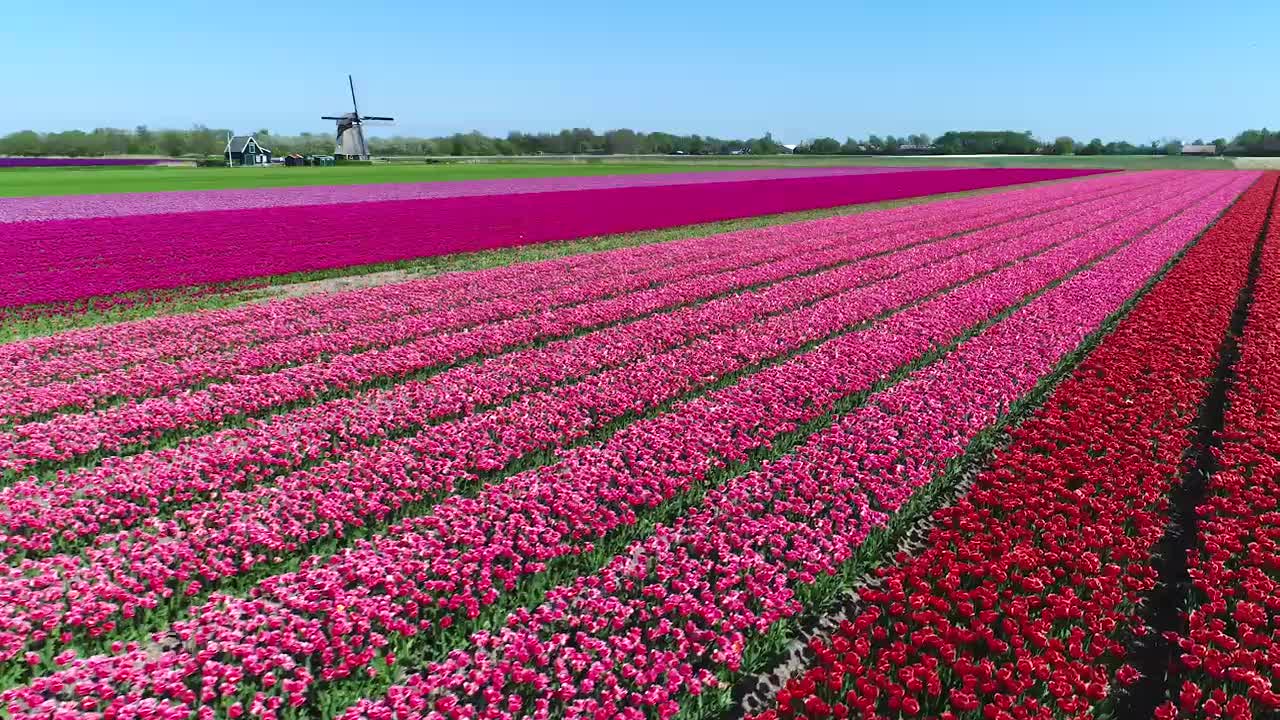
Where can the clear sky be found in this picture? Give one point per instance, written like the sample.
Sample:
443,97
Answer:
1114,69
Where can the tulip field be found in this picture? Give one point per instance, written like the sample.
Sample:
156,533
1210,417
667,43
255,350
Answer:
1013,455
70,248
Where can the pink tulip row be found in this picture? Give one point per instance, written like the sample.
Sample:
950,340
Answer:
63,437
664,617
121,491
46,262
376,326
257,638
348,314
241,530
33,209
72,355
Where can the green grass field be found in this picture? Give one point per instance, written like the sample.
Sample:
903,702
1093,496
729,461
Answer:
29,182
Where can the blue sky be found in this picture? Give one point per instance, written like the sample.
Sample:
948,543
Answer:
1118,70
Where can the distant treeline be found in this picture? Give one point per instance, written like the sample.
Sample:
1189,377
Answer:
203,141
1008,142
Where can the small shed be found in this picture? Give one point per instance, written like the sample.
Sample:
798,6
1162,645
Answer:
243,150
294,160
320,160
1199,149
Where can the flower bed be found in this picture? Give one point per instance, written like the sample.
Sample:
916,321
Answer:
1027,595
62,260
347,616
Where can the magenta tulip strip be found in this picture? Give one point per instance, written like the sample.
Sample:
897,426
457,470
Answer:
34,162
66,207
597,486
60,260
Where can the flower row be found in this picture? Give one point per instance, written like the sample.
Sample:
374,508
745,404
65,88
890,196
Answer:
164,560
1229,657
62,207
69,259
121,491
66,436
1027,595
380,595
193,336
382,319
665,617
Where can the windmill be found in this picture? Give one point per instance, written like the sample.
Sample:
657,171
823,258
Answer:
350,143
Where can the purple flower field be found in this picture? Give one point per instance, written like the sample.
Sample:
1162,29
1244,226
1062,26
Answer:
31,162
153,203
63,260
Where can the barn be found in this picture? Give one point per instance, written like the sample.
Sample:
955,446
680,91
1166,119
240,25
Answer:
243,150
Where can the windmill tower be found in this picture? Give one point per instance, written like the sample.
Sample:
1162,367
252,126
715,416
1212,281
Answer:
350,144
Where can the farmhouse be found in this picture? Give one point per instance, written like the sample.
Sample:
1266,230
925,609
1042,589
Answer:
245,151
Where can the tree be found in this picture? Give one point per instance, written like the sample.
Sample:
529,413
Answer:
621,142
825,146
1095,147
1063,145
1220,144
172,142
23,142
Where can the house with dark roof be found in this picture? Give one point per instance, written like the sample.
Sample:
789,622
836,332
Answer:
243,150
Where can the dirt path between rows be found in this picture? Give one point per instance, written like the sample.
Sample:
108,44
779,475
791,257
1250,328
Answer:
336,284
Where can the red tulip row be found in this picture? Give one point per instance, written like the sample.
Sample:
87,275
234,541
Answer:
666,616
122,491
65,437
1023,602
241,530
95,350
340,616
367,327
1229,659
